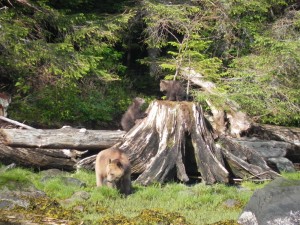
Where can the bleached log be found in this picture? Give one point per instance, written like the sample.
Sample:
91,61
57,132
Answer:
64,138
39,158
13,122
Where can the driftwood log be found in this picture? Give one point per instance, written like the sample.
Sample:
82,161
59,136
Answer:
45,149
64,138
40,158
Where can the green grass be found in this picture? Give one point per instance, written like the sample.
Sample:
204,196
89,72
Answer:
198,204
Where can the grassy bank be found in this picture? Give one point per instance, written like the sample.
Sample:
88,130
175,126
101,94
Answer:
156,204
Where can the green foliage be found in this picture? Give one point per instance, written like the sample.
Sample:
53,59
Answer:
47,56
15,175
181,30
266,83
66,61
56,106
56,190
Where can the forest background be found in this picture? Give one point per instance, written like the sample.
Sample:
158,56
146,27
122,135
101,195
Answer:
80,62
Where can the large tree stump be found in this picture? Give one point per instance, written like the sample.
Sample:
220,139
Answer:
175,141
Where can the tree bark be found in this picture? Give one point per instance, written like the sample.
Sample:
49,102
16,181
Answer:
175,141
80,139
40,158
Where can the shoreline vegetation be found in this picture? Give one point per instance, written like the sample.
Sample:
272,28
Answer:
81,201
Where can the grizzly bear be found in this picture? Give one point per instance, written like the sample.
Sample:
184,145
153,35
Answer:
133,113
174,90
113,169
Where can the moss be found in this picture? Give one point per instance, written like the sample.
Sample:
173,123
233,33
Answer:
156,216
146,217
115,220
226,222
39,210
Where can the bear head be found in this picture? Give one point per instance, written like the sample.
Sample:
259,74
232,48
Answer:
115,172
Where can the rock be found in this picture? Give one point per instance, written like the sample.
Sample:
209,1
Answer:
52,172
81,195
77,196
7,168
276,153
19,195
231,203
278,203
73,181
267,148
55,173
10,200
282,164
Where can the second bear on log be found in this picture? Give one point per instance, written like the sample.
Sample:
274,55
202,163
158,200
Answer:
174,90
133,113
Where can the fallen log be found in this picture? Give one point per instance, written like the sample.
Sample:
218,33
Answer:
15,123
40,158
64,138
87,163
276,133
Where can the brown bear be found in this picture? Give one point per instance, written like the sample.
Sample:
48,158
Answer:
133,113
174,90
113,169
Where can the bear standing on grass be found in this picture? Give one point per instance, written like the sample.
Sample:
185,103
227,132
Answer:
133,113
113,169
174,90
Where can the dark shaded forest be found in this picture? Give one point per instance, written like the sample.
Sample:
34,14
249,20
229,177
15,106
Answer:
81,62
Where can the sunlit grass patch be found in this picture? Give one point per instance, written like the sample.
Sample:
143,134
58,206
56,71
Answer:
56,189
292,176
86,176
22,176
175,203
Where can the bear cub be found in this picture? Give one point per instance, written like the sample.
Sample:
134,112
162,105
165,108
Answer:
113,169
133,113
174,90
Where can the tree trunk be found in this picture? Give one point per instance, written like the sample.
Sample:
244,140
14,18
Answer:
176,142
40,158
80,139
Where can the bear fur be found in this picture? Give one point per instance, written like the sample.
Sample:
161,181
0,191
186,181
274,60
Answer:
174,90
113,169
133,113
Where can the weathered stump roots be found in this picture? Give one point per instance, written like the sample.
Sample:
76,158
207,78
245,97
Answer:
176,142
